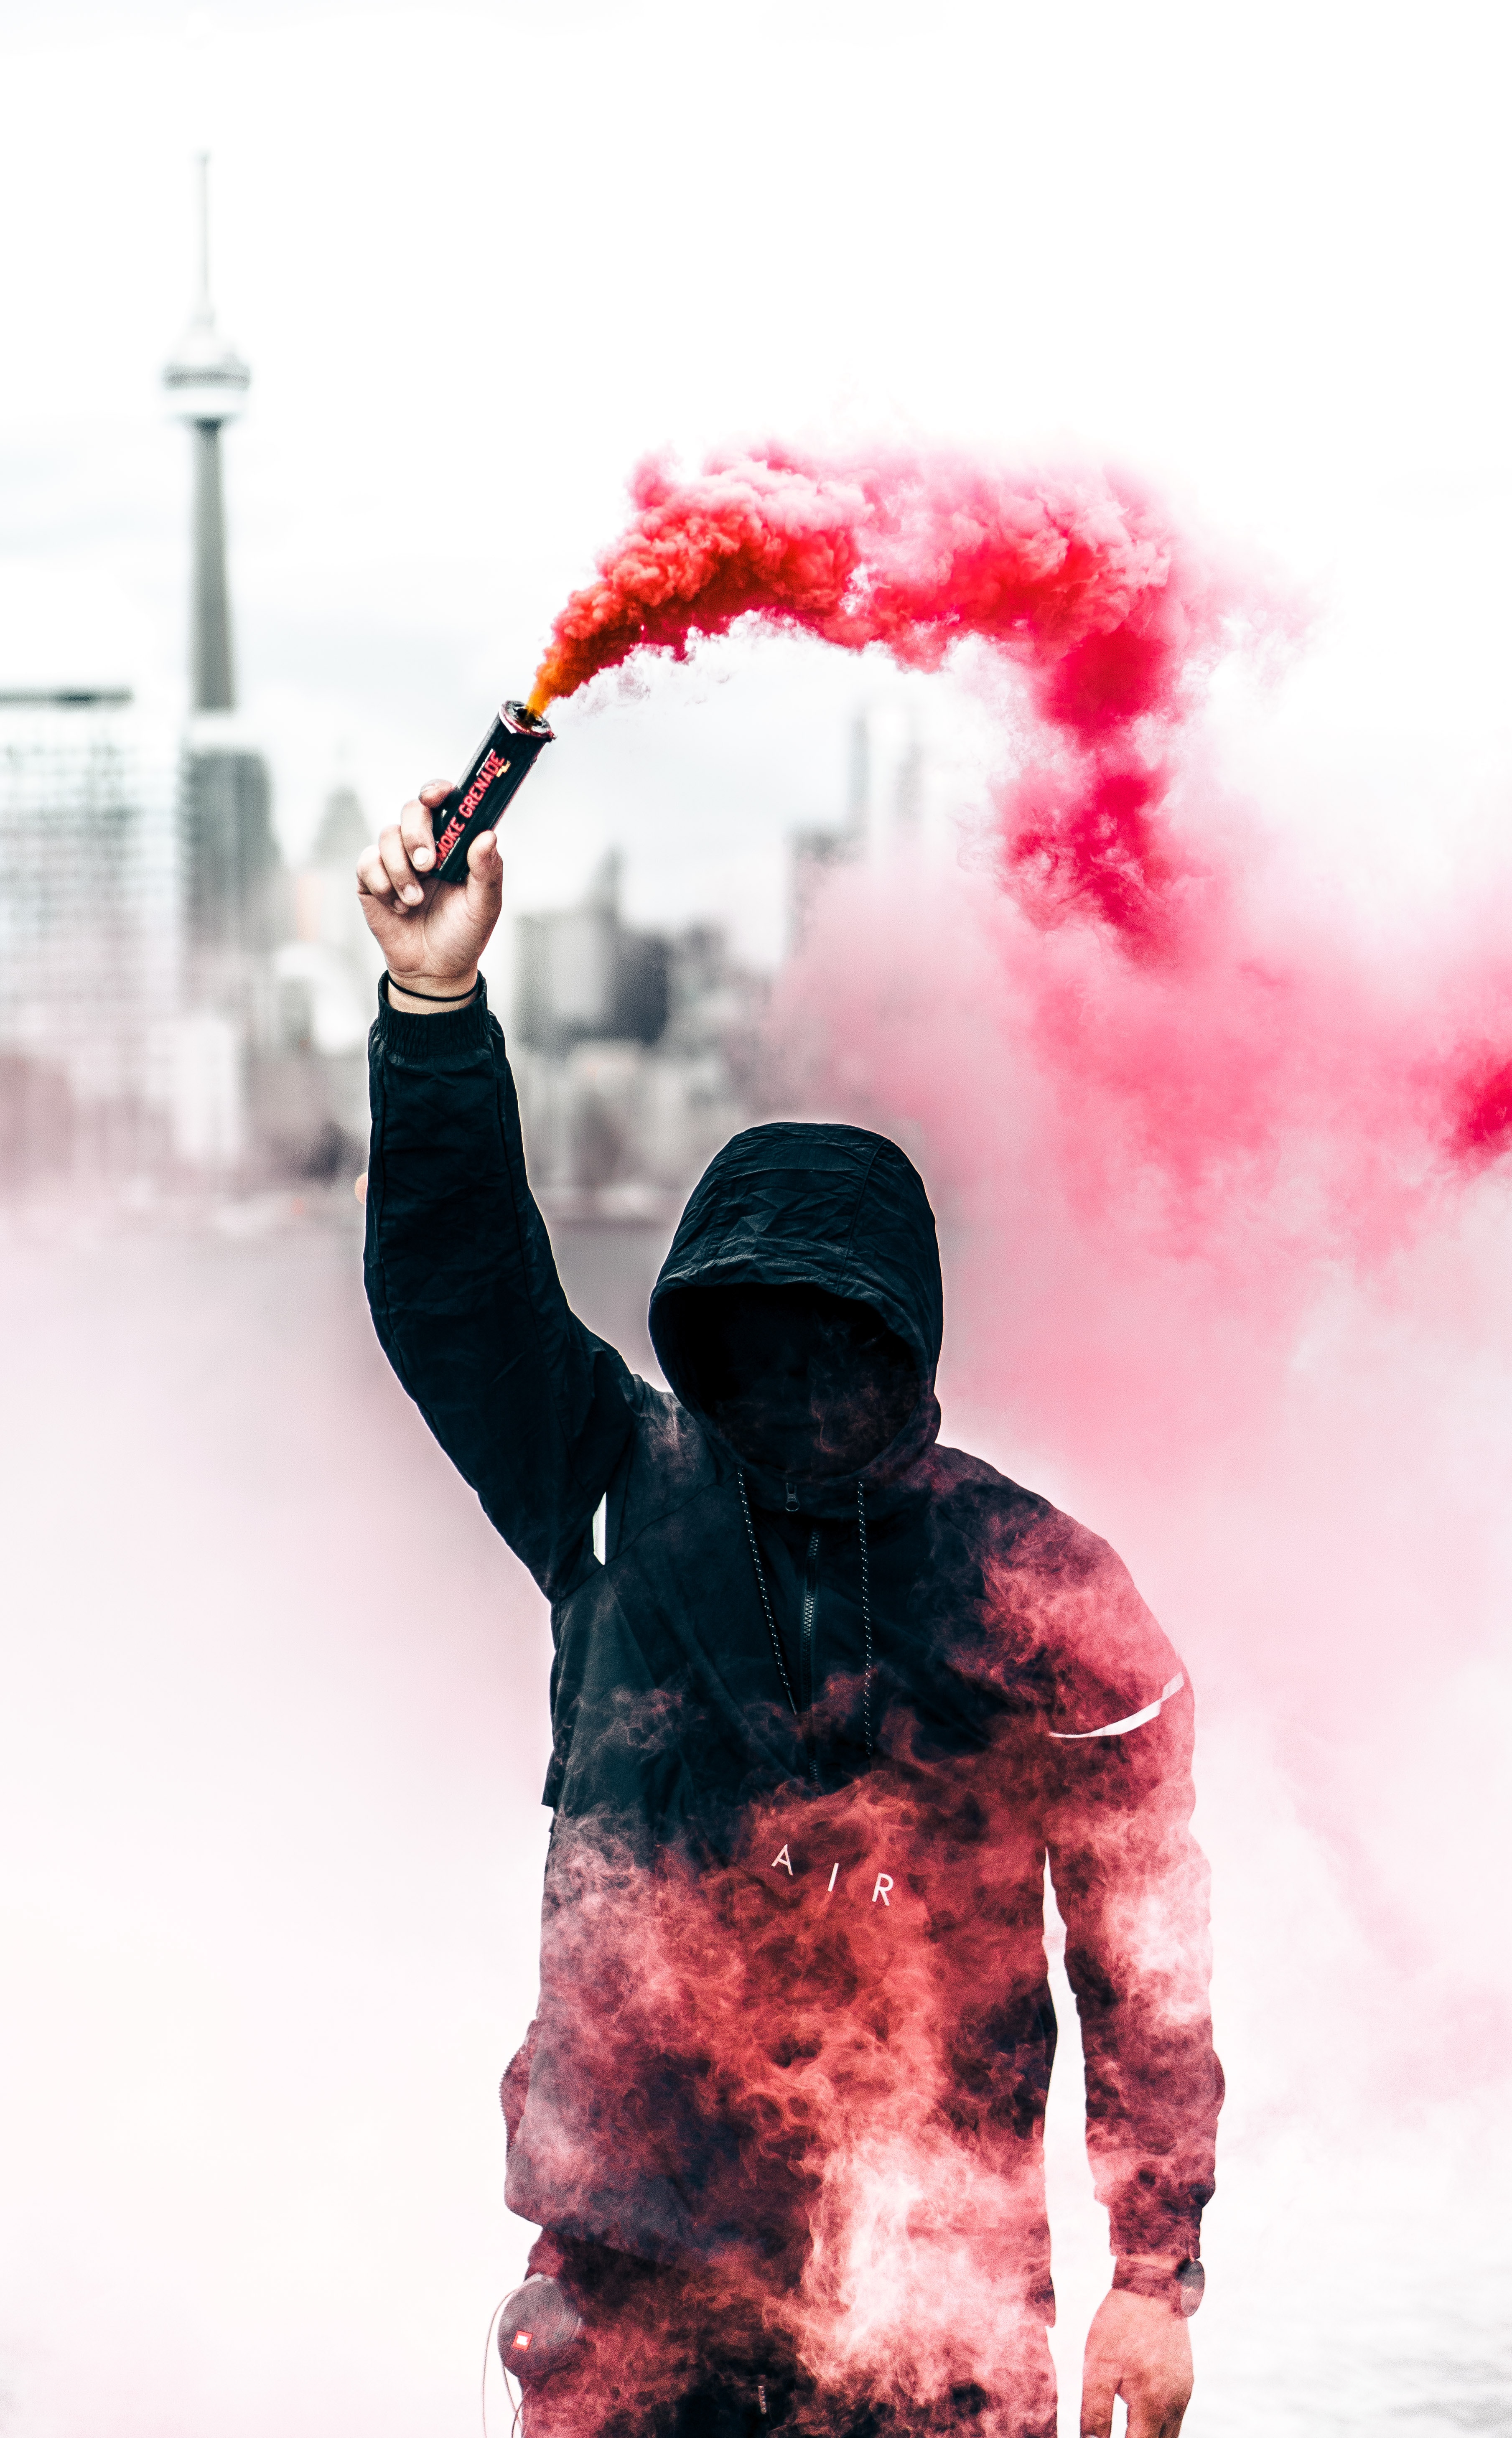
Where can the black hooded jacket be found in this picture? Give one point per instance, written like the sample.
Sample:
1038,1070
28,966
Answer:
765,1931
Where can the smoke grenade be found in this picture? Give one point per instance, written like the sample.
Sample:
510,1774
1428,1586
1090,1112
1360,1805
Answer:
499,767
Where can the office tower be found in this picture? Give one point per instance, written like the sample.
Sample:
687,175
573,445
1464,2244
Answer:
88,936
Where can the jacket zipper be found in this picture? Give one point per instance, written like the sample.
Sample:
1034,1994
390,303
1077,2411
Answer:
808,1649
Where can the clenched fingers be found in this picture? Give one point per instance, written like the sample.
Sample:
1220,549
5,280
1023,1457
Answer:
396,859
385,871
372,877
416,827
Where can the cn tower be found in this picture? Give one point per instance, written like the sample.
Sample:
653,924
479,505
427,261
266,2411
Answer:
229,856
208,383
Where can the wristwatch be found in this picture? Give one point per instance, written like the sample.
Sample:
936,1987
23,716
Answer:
1180,2284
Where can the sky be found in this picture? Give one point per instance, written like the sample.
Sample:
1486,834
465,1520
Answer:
480,260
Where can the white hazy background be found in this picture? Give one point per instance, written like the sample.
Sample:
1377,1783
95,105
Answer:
276,1697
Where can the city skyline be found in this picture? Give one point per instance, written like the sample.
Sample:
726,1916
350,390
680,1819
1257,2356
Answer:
401,541
223,1023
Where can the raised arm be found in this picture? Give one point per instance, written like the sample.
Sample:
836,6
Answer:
533,1410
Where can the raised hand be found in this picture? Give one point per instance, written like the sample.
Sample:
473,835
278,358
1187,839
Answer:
431,933
1138,2348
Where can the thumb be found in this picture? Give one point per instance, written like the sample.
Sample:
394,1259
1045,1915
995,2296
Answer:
486,880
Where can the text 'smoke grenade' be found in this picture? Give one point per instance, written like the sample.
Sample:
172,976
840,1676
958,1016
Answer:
490,779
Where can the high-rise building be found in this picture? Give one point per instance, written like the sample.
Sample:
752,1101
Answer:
582,976
631,1053
312,1099
88,936
884,740
815,853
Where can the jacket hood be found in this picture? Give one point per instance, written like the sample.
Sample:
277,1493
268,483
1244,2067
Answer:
827,1206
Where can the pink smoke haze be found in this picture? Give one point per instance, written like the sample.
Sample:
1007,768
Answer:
1230,1223
1224,1175
1220,1159
1226,1205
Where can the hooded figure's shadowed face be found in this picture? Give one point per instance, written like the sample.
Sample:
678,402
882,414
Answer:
797,1380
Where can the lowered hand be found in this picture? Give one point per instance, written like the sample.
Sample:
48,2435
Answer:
1139,2349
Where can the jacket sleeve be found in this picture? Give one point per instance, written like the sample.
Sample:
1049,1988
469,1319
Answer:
533,1410
1133,1888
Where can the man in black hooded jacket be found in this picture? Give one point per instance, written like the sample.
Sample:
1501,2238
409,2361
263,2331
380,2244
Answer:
827,1699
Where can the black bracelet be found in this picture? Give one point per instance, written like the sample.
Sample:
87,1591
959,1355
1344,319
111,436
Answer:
430,997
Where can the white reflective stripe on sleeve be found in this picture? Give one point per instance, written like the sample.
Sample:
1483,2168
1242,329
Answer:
1123,1726
601,1528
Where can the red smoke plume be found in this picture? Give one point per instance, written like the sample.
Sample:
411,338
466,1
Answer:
1081,582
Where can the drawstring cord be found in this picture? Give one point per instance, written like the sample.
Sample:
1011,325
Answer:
771,1621
866,1613
761,1586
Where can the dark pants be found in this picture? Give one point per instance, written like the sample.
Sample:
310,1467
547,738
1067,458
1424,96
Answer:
673,2353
